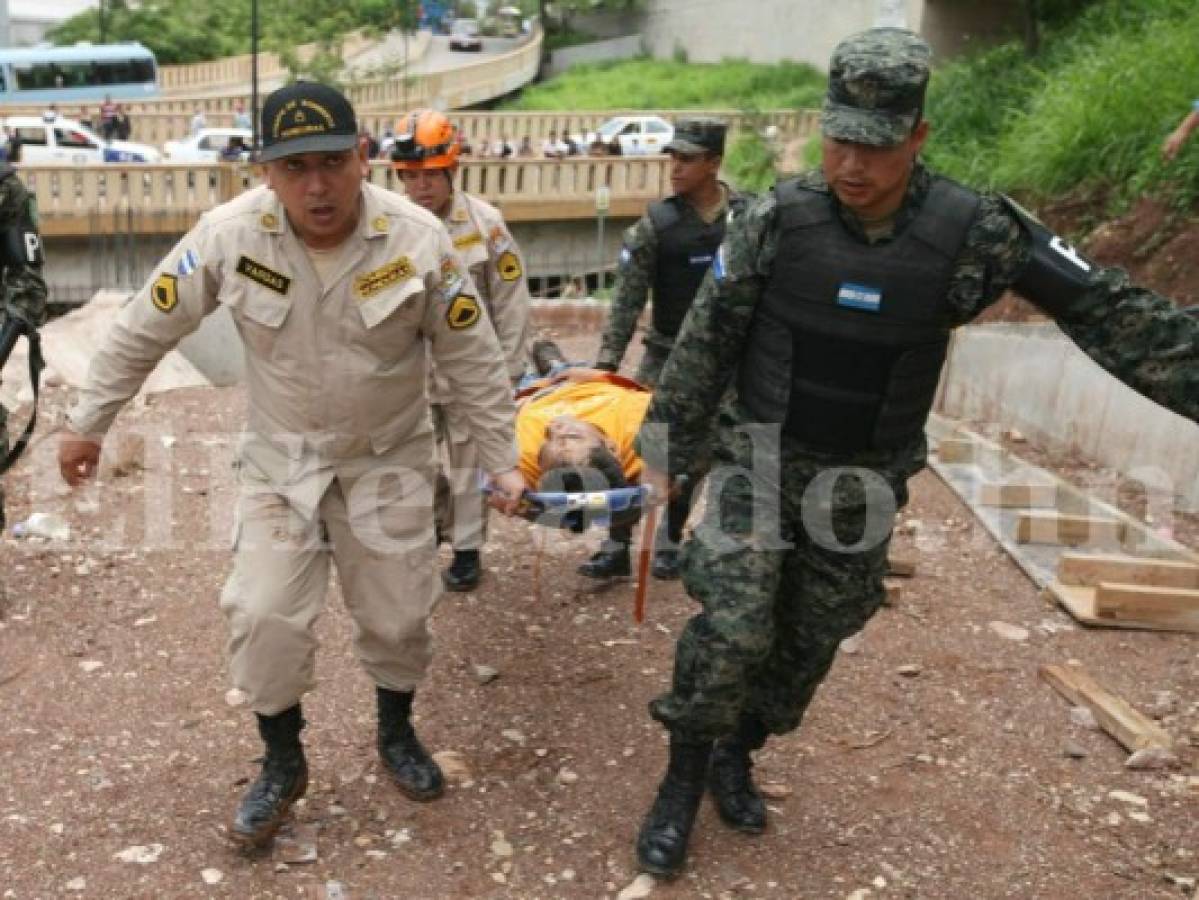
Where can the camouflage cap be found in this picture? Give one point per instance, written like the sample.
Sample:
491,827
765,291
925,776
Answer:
876,84
699,135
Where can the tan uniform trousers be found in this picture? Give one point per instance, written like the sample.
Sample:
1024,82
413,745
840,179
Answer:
459,504
381,539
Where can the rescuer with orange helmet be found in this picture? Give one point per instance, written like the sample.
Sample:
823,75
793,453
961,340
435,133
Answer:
425,155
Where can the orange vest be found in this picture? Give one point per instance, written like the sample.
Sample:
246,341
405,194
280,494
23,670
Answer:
616,409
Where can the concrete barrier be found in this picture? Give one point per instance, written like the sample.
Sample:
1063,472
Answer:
626,47
1035,379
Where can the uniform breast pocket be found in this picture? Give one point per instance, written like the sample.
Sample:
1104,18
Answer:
259,315
391,321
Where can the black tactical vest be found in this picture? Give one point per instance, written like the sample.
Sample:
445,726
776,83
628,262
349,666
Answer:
686,247
848,340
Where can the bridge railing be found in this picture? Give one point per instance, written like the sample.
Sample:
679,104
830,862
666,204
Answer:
169,198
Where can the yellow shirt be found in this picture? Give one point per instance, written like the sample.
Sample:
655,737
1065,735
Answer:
615,409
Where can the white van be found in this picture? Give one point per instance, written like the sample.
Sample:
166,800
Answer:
60,141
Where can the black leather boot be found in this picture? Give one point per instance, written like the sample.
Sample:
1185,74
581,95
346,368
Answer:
665,566
662,840
731,782
609,562
415,773
283,779
464,572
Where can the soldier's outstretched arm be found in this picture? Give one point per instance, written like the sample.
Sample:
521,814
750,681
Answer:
710,343
1138,336
638,261
179,294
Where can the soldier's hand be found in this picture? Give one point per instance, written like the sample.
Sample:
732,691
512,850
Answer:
506,490
658,483
78,457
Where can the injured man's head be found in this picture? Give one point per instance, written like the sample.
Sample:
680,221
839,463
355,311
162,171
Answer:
577,456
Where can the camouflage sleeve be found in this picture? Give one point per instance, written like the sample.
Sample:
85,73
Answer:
709,344
24,287
1141,338
992,256
638,259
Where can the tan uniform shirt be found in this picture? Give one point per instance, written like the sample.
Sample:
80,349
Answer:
336,374
488,250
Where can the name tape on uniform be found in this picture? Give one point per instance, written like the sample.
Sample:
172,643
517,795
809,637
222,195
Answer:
263,275
377,280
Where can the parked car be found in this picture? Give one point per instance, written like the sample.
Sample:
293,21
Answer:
630,135
464,35
67,142
206,144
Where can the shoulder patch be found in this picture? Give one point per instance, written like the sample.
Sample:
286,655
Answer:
462,313
509,266
452,278
263,275
499,239
164,292
370,283
188,263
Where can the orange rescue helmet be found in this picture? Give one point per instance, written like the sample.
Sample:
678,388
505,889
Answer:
425,139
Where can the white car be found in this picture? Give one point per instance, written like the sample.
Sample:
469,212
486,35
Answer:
633,135
464,35
60,141
206,145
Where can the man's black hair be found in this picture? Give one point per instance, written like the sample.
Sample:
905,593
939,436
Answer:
602,472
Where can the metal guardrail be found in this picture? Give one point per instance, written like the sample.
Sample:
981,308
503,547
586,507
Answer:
169,198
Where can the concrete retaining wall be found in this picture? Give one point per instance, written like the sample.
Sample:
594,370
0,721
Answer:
625,47
1033,378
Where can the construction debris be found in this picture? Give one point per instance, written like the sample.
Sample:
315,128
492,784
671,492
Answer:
1134,730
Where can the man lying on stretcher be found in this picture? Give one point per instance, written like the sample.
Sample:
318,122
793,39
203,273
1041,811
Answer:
575,428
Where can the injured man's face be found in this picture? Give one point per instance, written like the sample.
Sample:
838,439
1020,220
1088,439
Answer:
569,442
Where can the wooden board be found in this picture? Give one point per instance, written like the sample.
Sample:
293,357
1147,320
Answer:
955,450
898,565
1074,531
1018,496
1139,603
1115,715
1079,601
1089,569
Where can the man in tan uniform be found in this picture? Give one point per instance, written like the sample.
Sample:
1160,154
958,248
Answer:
425,154
339,290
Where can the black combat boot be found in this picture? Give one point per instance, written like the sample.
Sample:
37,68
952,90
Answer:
283,779
731,782
464,572
611,561
546,355
665,566
415,773
662,841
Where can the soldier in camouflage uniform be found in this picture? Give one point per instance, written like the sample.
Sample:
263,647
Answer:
668,251
832,300
23,306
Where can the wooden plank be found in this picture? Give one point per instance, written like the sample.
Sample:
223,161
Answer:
1079,601
1115,715
1019,496
1139,603
901,566
1058,528
1090,569
955,450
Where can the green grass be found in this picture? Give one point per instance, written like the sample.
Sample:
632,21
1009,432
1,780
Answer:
667,84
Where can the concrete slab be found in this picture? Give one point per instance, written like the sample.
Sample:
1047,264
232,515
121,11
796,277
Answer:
68,343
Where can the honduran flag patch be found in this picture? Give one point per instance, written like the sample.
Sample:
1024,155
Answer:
859,296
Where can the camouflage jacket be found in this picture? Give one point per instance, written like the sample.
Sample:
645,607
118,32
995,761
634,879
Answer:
1136,335
24,288
634,278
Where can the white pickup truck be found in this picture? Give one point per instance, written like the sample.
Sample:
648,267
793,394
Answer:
60,141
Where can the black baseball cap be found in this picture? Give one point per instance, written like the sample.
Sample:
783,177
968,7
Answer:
306,117
698,135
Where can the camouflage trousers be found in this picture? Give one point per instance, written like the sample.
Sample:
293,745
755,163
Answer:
778,596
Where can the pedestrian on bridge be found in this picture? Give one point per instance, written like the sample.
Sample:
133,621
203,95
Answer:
340,291
830,305
668,252
425,154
